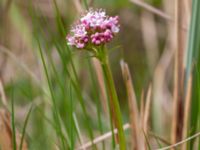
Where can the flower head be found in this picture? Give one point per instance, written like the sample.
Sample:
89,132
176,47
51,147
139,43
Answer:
93,29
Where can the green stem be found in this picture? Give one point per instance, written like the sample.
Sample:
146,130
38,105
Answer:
114,103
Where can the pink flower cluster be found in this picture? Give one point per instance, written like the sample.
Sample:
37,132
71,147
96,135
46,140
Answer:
93,29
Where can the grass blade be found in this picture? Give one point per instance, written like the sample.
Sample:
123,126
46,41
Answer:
177,120
24,127
53,97
14,144
193,59
187,112
137,137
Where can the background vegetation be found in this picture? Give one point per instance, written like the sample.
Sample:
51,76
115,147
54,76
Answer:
56,97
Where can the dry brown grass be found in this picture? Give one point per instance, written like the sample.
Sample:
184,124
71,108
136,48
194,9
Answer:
137,141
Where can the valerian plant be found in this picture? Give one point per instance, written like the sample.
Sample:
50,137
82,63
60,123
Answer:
92,32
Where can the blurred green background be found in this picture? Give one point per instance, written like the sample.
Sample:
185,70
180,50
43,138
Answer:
26,25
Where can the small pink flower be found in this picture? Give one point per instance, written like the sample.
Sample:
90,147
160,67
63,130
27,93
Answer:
93,29
79,31
71,40
80,45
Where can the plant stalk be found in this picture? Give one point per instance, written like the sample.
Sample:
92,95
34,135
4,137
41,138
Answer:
114,103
